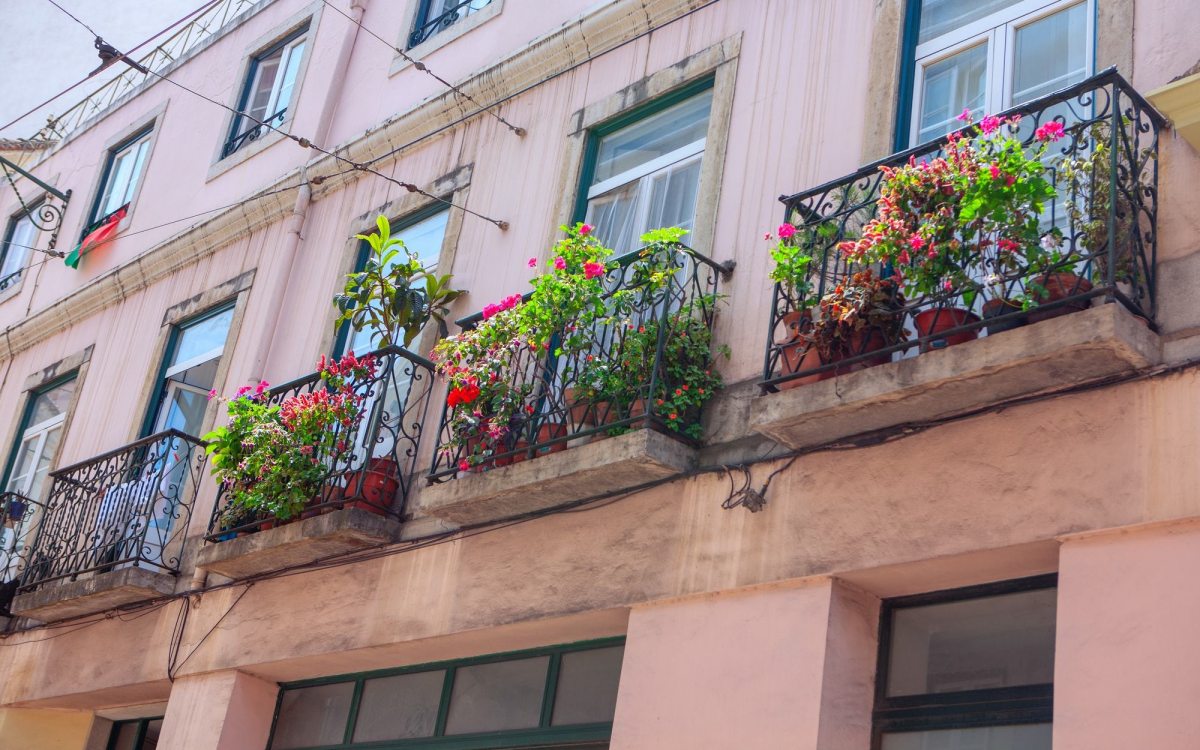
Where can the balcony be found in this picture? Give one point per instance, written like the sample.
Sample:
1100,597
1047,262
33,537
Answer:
364,487
1087,314
594,409
112,530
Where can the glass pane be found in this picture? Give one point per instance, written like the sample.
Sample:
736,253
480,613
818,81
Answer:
135,176
201,337
942,16
260,97
27,458
314,716
51,403
184,411
201,376
1051,54
118,180
125,735
288,81
499,696
153,730
673,196
21,238
49,449
587,686
994,642
400,707
655,136
1023,737
615,217
951,85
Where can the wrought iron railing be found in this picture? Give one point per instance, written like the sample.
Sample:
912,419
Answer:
20,517
372,464
427,25
10,280
251,133
129,507
194,33
1108,241
659,306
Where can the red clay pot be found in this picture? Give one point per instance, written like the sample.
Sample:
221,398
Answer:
550,432
798,355
375,487
930,322
1060,286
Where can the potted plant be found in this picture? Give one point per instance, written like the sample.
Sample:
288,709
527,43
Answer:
15,512
944,223
392,295
793,272
858,317
274,459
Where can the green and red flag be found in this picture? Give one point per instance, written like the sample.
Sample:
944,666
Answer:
102,232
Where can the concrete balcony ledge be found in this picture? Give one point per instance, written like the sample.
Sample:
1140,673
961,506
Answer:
60,600
609,465
298,543
1088,345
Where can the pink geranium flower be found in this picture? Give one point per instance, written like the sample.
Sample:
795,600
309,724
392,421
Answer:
786,230
591,269
1051,131
585,229
995,170
560,263
916,242
533,262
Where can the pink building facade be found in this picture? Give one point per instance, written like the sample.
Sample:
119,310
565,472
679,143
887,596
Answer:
948,545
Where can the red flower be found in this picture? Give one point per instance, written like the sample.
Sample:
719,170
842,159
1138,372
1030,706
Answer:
1051,131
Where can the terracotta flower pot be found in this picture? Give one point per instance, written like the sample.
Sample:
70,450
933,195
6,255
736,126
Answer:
1060,286
374,487
994,308
549,432
930,322
581,411
798,355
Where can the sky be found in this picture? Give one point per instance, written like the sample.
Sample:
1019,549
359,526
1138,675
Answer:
45,51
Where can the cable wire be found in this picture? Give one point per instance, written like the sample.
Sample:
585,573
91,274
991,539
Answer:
74,18
520,131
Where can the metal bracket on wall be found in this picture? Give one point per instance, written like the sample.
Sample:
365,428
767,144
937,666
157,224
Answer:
45,215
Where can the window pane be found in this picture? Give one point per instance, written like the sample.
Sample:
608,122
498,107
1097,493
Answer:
260,97
499,696
942,16
51,403
310,717
1023,737
153,730
1051,54
400,707
587,686
16,252
951,85
655,136
288,81
126,735
999,641
202,337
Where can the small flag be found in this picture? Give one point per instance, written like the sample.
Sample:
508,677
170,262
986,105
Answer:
96,237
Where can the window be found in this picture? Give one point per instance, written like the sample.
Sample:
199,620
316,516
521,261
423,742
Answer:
19,240
38,440
189,372
423,233
435,16
267,94
137,734
561,696
122,173
988,55
643,171
969,669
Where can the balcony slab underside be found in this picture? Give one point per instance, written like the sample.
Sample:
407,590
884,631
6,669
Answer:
61,600
597,468
298,543
1085,346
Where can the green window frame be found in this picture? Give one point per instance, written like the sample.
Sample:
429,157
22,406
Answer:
96,216
544,735
26,415
624,120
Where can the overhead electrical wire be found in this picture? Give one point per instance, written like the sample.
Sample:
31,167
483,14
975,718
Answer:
88,77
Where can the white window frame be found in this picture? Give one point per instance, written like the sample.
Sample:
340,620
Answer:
998,30
39,432
285,61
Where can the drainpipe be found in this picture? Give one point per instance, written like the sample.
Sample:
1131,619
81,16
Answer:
294,226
